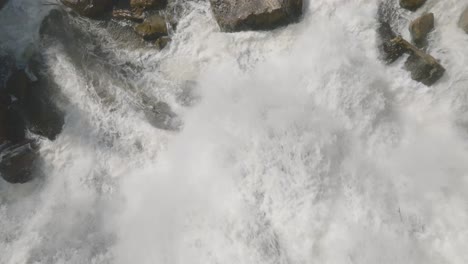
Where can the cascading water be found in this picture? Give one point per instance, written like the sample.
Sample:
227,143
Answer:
296,145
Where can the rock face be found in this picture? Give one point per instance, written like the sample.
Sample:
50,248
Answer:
463,22
420,28
412,4
152,28
423,67
89,8
238,15
148,4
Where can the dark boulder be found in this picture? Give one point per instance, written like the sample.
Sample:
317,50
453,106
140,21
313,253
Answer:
152,28
34,103
420,28
238,15
89,8
423,67
412,5
463,21
148,4
18,161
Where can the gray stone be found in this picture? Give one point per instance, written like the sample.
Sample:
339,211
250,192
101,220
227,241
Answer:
238,15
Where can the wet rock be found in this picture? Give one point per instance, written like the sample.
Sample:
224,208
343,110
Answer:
125,14
152,28
89,8
159,114
412,5
463,21
162,42
18,161
34,104
238,15
390,51
148,4
423,67
420,28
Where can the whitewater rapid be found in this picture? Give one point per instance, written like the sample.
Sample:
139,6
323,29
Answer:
292,146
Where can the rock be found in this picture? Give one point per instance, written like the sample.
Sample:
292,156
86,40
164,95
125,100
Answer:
412,5
162,42
390,51
238,15
18,161
148,4
34,104
89,8
463,21
152,28
136,16
423,67
420,28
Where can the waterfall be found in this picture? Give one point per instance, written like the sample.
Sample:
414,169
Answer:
290,146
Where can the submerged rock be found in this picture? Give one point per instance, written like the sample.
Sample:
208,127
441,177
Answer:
420,28
89,8
148,4
412,5
238,15
423,67
389,50
162,42
152,28
463,21
18,161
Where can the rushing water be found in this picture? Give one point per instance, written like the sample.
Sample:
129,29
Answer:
290,146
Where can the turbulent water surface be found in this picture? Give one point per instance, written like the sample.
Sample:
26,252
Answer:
294,146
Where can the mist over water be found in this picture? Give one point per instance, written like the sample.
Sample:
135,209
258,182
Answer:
292,146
